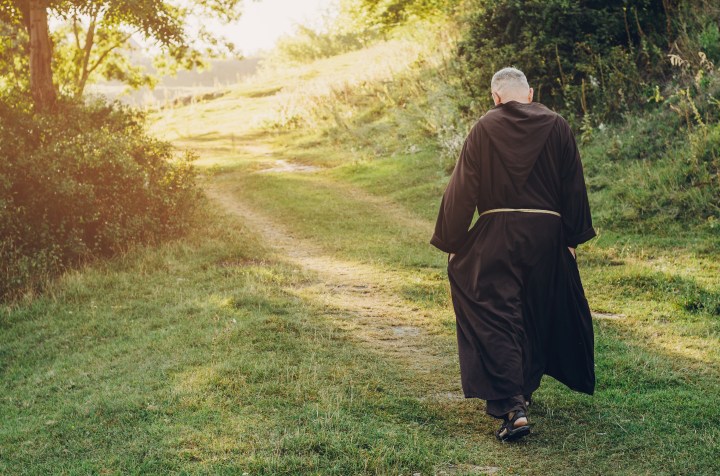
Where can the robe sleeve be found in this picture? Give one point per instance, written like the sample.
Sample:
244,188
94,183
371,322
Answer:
460,199
575,208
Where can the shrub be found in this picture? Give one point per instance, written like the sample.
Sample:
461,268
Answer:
308,45
81,182
583,57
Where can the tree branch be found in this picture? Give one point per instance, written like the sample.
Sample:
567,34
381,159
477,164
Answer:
76,31
86,51
104,54
75,59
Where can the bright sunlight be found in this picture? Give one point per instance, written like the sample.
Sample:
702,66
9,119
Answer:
389,237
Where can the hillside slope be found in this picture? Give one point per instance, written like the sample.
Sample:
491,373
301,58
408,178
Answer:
305,327
375,188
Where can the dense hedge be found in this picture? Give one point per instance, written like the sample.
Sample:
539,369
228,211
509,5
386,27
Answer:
599,58
83,181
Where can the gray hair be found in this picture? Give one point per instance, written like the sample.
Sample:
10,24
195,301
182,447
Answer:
509,79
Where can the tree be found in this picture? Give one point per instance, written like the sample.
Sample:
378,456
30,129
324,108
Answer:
390,13
100,28
85,43
32,15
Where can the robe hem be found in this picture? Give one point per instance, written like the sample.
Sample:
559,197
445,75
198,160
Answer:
574,388
587,389
501,396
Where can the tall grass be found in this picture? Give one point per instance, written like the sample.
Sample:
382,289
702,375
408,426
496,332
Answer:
651,170
406,89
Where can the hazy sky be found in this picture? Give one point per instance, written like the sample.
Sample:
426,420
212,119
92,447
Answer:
261,24
265,21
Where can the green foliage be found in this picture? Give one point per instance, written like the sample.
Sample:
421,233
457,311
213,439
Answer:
388,14
709,41
308,44
580,56
653,173
80,59
94,40
13,57
81,182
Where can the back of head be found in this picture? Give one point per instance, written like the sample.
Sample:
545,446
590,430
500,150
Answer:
518,134
509,81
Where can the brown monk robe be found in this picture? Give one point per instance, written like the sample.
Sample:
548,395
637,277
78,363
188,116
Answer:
519,303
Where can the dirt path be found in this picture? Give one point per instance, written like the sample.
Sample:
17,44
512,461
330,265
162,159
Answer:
359,298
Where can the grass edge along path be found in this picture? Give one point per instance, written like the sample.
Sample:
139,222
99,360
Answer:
672,387
195,358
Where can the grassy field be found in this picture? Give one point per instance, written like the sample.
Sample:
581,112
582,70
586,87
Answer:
304,326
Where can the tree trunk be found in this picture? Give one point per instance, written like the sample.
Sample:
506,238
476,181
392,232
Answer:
41,85
86,52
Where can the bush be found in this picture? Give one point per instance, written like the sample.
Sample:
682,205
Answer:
81,182
583,57
308,45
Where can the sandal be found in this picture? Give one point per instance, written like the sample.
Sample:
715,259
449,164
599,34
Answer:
508,431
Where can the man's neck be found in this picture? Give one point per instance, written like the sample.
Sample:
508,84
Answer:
521,101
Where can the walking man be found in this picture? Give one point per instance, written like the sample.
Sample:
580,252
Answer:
520,307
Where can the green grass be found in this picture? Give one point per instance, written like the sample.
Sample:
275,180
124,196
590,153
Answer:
324,212
652,174
193,357
201,356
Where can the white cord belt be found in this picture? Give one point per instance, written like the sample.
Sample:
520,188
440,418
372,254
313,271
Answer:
524,210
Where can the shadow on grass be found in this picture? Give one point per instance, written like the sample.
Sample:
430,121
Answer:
242,138
685,293
226,372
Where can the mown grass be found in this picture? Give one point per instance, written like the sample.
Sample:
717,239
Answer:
193,357
198,357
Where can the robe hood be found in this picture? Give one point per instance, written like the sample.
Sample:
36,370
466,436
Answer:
517,133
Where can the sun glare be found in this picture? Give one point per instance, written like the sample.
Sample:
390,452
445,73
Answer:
262,23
